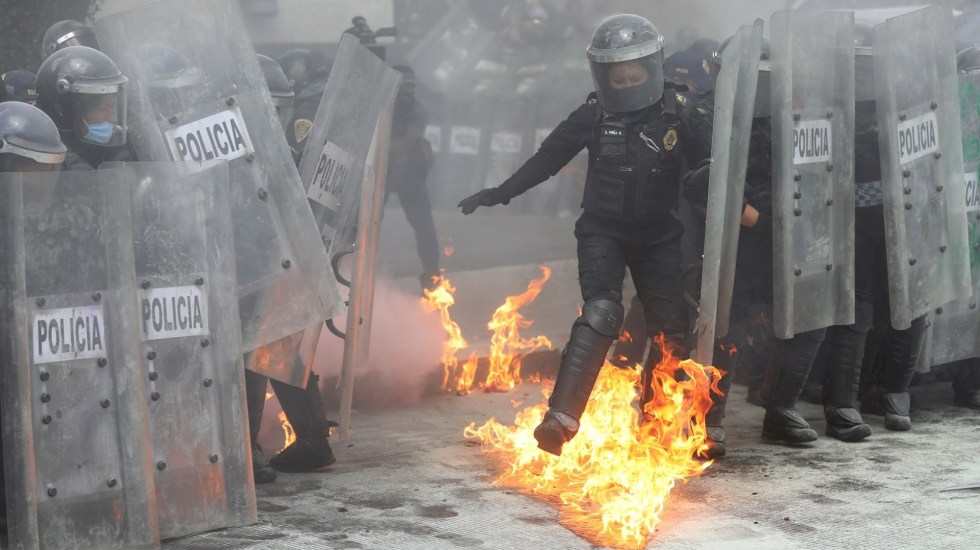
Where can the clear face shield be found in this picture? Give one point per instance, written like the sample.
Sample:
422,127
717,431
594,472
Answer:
631,85
100,114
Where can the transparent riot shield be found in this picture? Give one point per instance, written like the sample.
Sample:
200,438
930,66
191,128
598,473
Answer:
188,321
734,97
197,95
813,170
921,163
76,439
956,325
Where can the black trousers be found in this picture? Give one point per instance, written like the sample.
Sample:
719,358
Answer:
406,178
607,247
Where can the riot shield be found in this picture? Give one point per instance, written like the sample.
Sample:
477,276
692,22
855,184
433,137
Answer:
76,439
813,170
734,98
198,94
188,320
956,326
344,171
921,163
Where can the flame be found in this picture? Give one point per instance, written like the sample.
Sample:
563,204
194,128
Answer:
287,430
626,337
506,346
448,251
614,477
440,299
762,320
730,349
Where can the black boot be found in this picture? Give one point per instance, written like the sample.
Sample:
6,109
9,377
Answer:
901,357
788,370
966,384
583,357
842,379
304,410
726,361
255,387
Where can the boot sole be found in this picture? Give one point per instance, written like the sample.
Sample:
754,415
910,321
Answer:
549,441
902,425
851,434
791,440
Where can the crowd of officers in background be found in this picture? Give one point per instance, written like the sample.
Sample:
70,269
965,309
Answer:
71,115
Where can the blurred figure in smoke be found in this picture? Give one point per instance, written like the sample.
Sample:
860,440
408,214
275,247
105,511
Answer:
409,160
64,34
637,137
688,69
308,72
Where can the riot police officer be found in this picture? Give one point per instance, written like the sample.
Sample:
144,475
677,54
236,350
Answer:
84,93
283,96
29,142
637,137
67,33
308,71
19,86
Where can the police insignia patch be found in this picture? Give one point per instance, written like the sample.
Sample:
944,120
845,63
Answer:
670,139
301,129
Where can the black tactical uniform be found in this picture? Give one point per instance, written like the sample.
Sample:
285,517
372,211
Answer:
637,138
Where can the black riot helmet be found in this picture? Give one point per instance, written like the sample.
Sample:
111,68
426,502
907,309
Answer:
84,93
67,33
282,93
18,85
29,140
763,92
171,79
864,66
627,61
304,66
968,60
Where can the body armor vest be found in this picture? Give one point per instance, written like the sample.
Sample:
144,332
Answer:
634,167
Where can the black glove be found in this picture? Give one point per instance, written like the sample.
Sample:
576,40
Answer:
484,197
694,184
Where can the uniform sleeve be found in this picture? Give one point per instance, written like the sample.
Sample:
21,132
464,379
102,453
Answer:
560,147
758,174
696,123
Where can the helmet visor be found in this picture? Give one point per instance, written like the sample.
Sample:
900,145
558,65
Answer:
100,118
632,85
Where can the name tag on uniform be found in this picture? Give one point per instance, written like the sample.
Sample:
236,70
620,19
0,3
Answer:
68,334
332,176
812,141
222,136
917,137
175,312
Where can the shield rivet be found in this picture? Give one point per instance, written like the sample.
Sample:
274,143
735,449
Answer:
906,173
45,398
908,190
161,465
938,155
933,105
830,167
205,343
263,194
902,116
208,382
154,375
939,188
155,396
173,119
286,264
112,483
797,195
46,419
250,157
797,177
199,281
45,376
939,311
151,355
908,206
97,297
40,302
830,267
102,362
797,212
52,492
230,101
973,305
912,261
105,403
797,271
830,114
145,285
942,249
213,458
830,202
797,117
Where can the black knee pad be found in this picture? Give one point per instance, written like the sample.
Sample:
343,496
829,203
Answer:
603,316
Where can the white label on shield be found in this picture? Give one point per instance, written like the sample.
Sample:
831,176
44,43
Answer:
434,136
68,334
506,142
332,176
970,182
175,312
918,137
465,140
812,141
218,137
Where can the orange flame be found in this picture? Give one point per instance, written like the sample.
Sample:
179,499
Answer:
626,337
440,299
287,430
506,346
614,477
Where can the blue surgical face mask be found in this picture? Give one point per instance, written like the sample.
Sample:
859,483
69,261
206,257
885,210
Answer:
100,133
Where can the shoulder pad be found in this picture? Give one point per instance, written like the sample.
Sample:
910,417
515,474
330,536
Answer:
592,99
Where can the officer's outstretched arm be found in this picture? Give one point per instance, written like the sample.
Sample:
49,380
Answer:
560,147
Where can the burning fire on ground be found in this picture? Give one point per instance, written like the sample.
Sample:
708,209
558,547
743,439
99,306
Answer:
441,298
614,477
289,434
